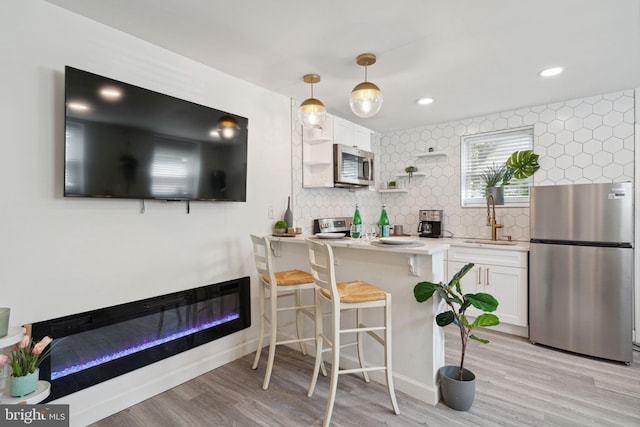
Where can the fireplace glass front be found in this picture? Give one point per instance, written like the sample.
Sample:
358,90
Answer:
95,346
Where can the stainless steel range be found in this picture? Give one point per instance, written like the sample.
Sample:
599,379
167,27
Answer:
332,225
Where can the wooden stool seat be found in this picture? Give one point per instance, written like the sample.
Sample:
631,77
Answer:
356,291
290,277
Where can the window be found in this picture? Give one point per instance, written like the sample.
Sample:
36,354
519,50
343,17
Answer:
481,151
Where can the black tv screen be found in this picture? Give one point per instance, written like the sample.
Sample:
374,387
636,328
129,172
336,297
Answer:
124,141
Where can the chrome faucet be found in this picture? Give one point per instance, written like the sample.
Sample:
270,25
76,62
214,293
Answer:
491,217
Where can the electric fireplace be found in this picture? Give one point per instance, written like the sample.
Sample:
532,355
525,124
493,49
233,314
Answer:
92,347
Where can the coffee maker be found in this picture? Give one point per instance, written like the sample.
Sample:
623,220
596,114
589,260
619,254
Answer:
430,224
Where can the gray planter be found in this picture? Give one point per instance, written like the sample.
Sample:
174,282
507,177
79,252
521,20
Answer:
457,394
498,194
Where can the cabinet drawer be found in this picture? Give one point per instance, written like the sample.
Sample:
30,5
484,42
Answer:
506,258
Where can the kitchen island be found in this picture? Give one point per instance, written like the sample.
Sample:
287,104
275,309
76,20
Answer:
418,343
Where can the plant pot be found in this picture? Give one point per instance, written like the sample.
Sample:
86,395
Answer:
21,386
457,394
498,194
280,231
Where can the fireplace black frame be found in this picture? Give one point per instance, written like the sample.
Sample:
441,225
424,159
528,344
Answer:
73,324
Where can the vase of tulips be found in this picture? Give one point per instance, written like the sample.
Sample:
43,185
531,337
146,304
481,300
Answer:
25,359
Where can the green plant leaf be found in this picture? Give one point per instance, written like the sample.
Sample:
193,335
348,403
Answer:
446,318
424,290
475,338
485,320
460,274
482,301
524,163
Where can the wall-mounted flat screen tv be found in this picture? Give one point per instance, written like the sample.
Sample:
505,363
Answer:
123,141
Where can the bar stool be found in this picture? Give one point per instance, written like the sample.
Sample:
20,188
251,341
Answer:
343,296
288,284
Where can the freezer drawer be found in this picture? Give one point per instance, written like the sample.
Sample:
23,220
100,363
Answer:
580,299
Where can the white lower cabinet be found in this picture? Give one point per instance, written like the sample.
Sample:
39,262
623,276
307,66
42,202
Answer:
501,273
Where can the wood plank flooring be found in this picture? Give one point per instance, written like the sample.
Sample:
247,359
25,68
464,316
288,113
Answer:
518,384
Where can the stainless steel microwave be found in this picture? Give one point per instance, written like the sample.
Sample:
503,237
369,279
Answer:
352,167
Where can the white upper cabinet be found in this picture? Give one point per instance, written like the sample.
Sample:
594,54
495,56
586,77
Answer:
351,134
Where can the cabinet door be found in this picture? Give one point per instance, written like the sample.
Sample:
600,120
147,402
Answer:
507,284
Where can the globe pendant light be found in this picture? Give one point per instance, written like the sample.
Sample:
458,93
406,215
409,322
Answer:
228,127
312,111
366,97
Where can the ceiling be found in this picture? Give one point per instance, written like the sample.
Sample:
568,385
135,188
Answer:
473,57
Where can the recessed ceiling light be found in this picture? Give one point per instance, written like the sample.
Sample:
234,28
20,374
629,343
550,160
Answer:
425,101
553,71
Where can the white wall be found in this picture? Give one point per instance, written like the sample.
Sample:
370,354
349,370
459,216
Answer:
61,256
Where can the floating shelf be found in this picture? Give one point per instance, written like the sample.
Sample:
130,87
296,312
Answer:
393,190
406,175
431,154
319,140
317,163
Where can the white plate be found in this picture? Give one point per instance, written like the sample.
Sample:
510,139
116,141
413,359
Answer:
330,235
396,241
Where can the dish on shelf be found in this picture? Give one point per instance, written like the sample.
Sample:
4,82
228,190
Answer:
396,241
330,235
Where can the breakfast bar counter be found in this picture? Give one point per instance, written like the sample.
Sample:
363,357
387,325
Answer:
418,343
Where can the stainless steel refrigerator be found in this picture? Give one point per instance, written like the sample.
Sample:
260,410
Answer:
581,269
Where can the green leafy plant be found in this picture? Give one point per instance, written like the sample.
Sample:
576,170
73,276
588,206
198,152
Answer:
493,175
410,170
458,303
391,184
280,225
523,164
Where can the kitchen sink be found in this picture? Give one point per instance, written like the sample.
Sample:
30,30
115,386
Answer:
492,242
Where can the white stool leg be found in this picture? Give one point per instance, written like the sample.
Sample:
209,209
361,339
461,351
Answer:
360,336
335,366
318,329
262,326
387,355
272,340
303,345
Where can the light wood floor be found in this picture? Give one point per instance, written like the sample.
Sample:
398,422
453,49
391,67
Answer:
518,384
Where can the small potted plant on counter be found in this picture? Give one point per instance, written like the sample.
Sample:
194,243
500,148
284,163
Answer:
457,384
280,227
520,165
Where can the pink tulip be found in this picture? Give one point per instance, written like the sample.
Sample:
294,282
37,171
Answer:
3,359
38,348
26,340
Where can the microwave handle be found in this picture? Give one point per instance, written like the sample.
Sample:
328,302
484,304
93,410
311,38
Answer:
368,175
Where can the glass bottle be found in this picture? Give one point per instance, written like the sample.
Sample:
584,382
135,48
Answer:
357,224
384,222
288,215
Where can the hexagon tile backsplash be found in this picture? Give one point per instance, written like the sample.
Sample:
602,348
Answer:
579,141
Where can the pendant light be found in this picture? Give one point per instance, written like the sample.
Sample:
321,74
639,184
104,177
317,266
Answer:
366,97
228,127
312,111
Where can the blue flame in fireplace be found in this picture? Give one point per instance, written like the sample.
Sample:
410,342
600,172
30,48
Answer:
139,347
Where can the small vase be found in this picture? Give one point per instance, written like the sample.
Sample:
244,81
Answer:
288,215
498,194
21,386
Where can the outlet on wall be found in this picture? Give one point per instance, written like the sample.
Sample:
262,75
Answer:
269,212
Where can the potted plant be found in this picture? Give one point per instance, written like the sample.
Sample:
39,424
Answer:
25,361
410,170
280,227
457,384
391,184
520,165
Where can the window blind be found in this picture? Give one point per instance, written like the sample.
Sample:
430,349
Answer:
485,150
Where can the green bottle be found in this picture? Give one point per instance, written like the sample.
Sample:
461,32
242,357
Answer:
357,222
384,222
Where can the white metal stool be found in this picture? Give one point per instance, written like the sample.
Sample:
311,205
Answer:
356,295
288,284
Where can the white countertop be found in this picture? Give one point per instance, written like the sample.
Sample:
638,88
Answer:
427,246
